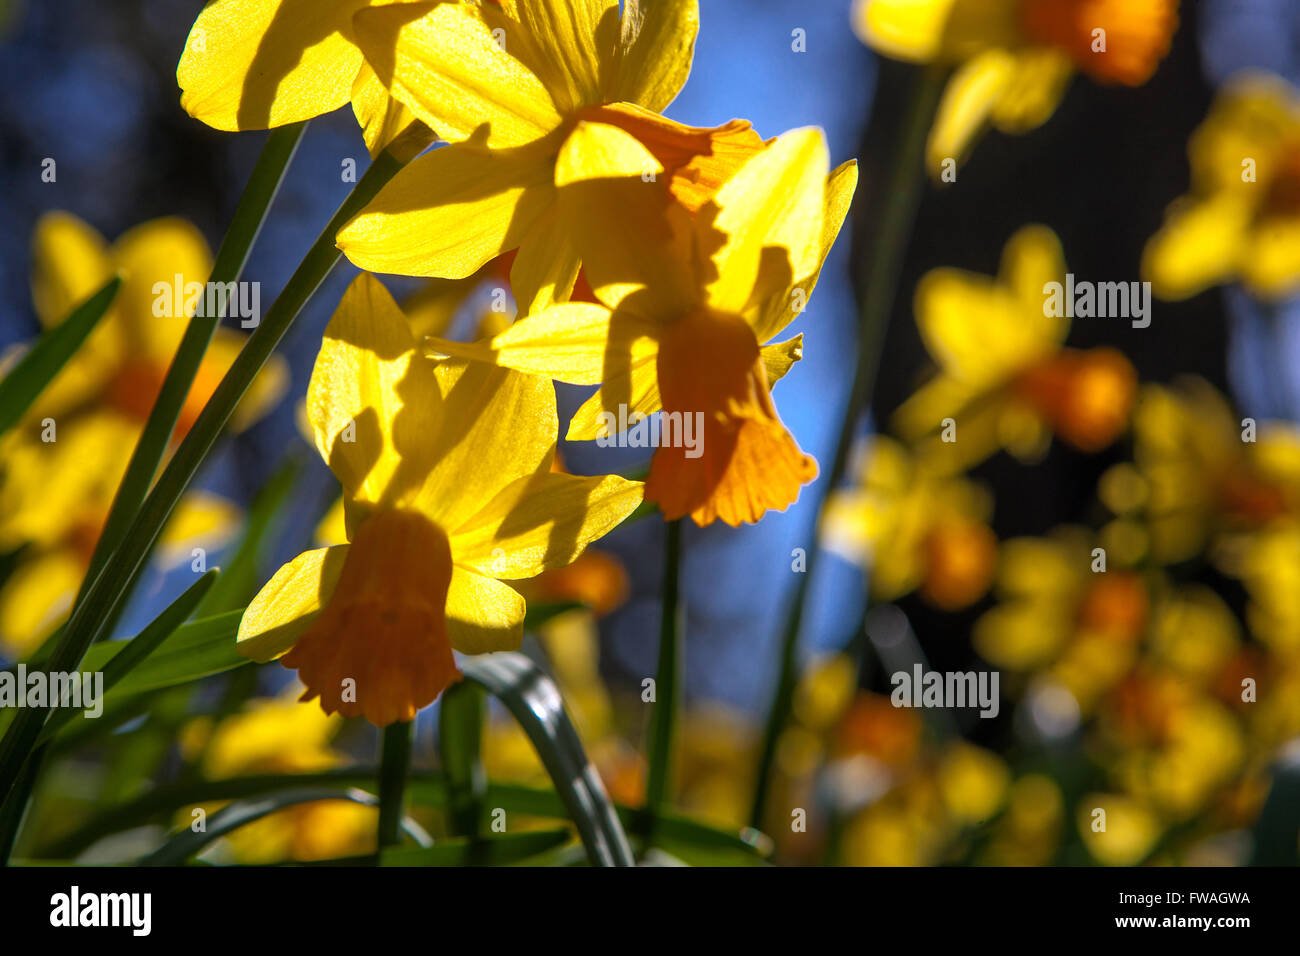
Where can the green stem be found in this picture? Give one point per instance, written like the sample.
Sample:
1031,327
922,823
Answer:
884,259
92,616
460,738
663,721
394,763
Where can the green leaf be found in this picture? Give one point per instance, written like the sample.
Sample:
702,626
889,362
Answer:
535,702
126,658
198,649
468,851
35,370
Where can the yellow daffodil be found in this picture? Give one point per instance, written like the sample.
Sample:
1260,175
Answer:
1241,220
1200,475
1116,829
1004,377
1080,628
441,502
259,64
914,527
686,305
1014,59
123,364
281,736
54,500
507,86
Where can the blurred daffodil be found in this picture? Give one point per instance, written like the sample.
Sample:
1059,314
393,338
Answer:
1241,220
281,736
441,503
685,305
507,87
914,528
1013,59
1200,475
1004,378
259,64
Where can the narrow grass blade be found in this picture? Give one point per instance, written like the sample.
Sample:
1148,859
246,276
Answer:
535,702
35,370
663,720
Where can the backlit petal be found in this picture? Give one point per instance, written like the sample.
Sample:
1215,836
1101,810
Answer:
483,615
655,50
289,602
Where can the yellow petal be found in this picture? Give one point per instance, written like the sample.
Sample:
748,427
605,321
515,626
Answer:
201,520
450,211
37,598
635,387
770,216
577,342
473,456
1270,266
920,31
540,523
332,528
1255,116
155,258
384,121
1032,258
655,49
547,266
780,310
780,358
257,64
969,99
269,386
289,602
610,184
1034,91
70,261
372,400
578,37
444,63
483,615
1201,244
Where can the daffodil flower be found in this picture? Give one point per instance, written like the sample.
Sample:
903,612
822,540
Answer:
1241,220
259,64
445,467
1014,58
686,306
507,86
1004,378
914,527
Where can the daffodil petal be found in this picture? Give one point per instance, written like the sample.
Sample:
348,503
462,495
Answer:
577,342
257,64
656,46
268,387
201,519
384,121
610,184
450,211
289,602
36,598
780,310
372,399
578,37
922,31
483,615
964,109
1200,245
536,524
1271,264
1038,82
472,457
444,63
70,261
156,258
780,357
635,388
547,266
770,218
